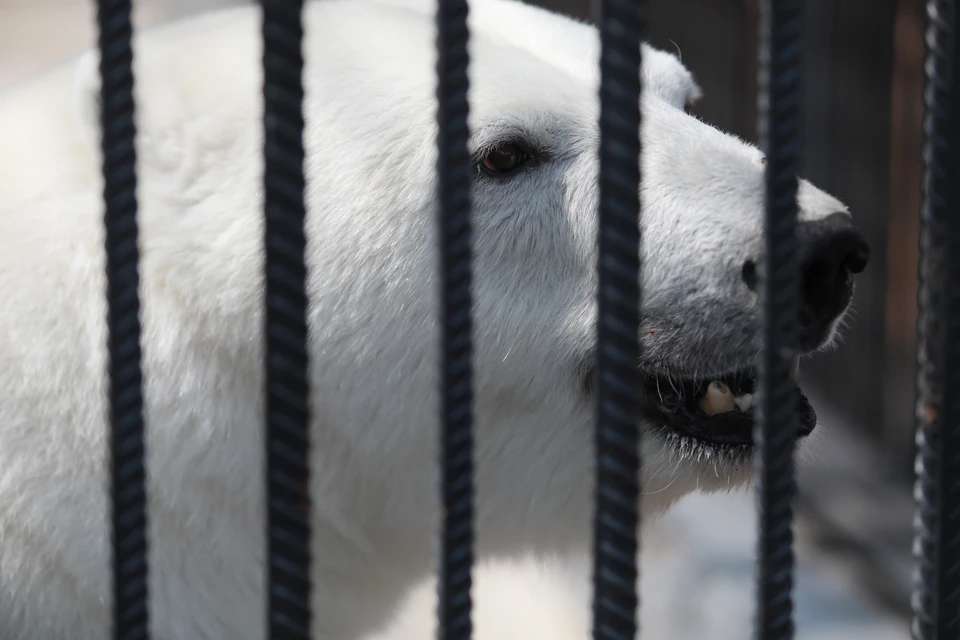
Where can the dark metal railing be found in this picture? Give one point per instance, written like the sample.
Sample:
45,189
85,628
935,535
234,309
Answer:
455,250
776,412
125,381
936,596
285,358
619,406
617,515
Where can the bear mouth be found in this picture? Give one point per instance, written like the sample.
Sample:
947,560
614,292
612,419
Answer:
717,410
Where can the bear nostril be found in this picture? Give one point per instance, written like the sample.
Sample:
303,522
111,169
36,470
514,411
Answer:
830,250
859,257
823,279
749,274
830,258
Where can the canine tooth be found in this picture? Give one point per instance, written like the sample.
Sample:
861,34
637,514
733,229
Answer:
744,402
718,399
795,369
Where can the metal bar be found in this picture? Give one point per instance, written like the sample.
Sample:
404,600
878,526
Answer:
127,470
780,99
617,515
453,173
287,385
936,595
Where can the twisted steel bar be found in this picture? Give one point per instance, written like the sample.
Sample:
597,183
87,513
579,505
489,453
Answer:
936,595
287,405
453,173
617,516
125,376
780,99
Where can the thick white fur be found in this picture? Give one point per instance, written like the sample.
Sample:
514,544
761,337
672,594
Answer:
527,599
374,332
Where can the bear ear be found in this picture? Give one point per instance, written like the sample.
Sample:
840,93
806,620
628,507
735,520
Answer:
86,96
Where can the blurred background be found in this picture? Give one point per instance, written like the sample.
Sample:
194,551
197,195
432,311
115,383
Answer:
862,129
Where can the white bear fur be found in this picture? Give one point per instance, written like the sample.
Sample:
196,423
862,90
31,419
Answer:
527,599
370,136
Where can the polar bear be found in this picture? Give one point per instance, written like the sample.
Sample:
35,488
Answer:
370,138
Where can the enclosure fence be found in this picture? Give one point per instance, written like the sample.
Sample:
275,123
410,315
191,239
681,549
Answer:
936,599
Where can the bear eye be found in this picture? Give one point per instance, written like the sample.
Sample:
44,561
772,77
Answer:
504,159
688,108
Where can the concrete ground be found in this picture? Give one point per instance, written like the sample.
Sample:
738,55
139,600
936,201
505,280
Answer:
697,578
698,563
697,583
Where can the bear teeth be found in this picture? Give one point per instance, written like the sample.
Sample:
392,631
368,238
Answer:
719,399
744,402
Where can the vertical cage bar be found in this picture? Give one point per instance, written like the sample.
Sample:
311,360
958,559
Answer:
616,516
936,594
125,375
456,451
780,99
287,384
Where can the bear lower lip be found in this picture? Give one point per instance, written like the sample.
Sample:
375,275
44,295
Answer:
715,411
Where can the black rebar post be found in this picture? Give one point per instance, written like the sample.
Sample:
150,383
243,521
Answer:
456,450
780,101
125,375
936,595
617,515
287,402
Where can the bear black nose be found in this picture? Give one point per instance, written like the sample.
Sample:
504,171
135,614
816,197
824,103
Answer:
831,251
